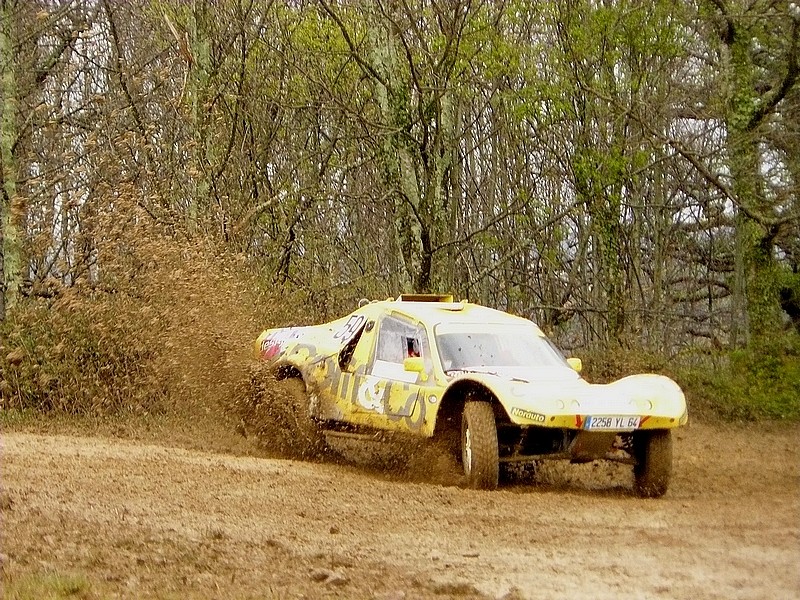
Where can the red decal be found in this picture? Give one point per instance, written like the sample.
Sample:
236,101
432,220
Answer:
269,348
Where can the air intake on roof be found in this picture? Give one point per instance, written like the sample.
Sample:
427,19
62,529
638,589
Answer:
426,298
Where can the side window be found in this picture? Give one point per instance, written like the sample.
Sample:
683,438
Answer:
397,340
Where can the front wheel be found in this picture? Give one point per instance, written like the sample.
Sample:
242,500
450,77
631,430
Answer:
479,449
653,469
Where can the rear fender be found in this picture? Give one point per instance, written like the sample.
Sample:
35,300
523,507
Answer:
287,370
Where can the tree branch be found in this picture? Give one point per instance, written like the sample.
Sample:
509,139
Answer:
771,100
367,68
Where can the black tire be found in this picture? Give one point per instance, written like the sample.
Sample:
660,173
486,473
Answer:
309,439
479,450
653,469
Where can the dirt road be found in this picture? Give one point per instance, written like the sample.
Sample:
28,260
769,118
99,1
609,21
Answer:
139,520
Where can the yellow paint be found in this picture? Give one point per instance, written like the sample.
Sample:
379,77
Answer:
355,396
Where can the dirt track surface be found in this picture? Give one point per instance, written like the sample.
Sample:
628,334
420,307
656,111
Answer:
142,520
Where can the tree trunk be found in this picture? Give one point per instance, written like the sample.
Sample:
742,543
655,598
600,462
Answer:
757,312
757,315
197,91
10,250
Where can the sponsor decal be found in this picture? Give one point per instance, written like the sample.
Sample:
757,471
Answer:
269,349
370,394
527,414
350,328
273,344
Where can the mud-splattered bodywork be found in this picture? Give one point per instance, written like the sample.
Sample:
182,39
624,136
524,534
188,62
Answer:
385,366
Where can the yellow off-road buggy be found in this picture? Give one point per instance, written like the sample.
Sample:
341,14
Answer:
489,385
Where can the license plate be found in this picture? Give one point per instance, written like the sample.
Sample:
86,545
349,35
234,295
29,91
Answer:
611,423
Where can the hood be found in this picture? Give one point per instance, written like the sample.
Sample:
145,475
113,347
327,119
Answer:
556,392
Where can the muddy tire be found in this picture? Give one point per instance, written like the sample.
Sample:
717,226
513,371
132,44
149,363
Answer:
309,438
653,469
479,449
277,413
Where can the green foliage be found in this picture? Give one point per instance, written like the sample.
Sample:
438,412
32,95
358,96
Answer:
49,586
748,384
742,385
79,356
428,145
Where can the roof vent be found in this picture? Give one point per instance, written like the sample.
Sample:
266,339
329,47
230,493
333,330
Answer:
425,298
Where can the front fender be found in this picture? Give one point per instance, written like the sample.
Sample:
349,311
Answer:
478,383
656,395
564,403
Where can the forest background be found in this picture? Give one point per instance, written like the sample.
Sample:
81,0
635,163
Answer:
177,176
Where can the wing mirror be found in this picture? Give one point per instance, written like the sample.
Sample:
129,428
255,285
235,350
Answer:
576,364
414,364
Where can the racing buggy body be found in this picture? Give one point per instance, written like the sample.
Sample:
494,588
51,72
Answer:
489,385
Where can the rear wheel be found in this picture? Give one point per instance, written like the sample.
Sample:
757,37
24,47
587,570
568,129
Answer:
653,469
479,449
309,439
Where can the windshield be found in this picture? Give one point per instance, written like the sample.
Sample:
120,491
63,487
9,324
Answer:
464,347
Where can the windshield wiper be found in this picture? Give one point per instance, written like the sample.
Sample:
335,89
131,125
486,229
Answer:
485,371
471,370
